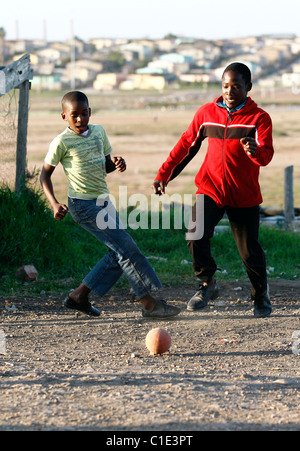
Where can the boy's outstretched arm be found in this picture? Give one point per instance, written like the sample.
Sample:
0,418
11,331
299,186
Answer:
59,210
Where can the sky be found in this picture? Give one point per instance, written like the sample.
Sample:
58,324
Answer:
203,19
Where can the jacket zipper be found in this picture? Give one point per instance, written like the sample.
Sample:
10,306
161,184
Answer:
228,119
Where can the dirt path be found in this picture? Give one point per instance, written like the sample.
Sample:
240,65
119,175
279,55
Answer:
225,370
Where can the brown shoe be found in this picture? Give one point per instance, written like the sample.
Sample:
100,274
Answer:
161,310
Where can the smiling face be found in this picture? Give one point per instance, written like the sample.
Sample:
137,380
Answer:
234,88
77,114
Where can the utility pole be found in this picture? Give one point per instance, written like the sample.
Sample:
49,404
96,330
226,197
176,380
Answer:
45,31
73,58
2,46
17,37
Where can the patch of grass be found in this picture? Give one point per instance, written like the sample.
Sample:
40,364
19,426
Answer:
282,252
31,235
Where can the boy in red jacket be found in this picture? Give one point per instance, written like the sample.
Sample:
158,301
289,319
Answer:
239,143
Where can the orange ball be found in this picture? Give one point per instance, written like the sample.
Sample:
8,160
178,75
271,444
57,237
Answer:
158,341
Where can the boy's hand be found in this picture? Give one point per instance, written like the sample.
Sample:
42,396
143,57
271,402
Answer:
249,145
159,187
60,211
120,163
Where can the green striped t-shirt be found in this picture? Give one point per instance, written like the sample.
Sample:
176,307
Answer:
83,160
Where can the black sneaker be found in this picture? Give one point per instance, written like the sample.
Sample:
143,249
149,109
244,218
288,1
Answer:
85,308
201,298
262,305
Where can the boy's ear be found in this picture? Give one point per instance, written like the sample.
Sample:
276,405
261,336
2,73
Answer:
63,115
90,112
249,87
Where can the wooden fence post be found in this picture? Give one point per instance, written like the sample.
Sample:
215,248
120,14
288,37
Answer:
22,134
289,210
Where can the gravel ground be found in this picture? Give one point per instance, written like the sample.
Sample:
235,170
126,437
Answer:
225,369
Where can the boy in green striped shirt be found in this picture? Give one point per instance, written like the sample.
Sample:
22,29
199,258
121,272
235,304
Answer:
85,154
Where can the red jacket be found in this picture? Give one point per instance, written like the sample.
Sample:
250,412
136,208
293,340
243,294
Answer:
228,174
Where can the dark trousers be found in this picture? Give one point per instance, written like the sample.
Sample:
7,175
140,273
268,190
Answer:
244,224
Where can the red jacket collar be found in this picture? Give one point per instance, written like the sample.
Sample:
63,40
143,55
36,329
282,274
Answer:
250,104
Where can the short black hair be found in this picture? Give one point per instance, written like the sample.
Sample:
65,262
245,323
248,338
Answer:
241,69
74,96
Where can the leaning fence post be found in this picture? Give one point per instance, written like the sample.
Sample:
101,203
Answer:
289,210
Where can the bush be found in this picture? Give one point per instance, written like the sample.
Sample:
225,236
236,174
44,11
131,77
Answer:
30,235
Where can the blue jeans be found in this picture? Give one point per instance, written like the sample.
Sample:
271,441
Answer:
123,257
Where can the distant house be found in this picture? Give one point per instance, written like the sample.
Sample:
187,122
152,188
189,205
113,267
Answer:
161,66
196,78
47,82
177,58
144,81
108,82
133,48
52,55
153,70
79,45
203,52
184,40
85,71
41,69
147,43
165,45
23,46
93,66
63,47
176,62
172,63
101,43
105,43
